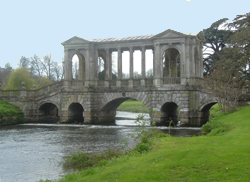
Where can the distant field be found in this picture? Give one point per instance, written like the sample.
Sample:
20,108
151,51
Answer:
133,106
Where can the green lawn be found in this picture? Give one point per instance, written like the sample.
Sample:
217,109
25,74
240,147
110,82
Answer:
8,110
224,156
133,106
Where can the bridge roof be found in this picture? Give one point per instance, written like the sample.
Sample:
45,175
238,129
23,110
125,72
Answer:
140,36
166,34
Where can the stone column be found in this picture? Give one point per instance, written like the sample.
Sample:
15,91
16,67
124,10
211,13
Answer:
86,69
107,65
201,59
119,68
107,68
95,65
183,65
157,66
66,65
143,65
67,69
131,67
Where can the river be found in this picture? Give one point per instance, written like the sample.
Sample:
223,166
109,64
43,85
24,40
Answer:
30,152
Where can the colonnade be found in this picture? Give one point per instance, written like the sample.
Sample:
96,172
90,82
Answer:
169,48
106,55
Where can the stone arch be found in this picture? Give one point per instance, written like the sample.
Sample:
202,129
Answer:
170,113
81,65
48,112
205,113
75,113
111,101
171,62
140,96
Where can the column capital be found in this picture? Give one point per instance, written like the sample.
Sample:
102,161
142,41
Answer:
66,49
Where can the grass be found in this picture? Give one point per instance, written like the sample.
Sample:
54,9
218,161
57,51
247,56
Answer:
222,156
9,111
133,106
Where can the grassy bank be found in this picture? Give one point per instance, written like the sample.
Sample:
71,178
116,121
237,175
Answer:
133,106
217,156
9,114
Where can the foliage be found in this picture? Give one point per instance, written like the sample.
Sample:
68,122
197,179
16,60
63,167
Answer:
7,110
216,39
42,82
101,75
149,73
226,87
133,106
44,66
24,62
80,160
18,76
4,74
240,41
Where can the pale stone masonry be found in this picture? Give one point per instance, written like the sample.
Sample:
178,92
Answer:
174,91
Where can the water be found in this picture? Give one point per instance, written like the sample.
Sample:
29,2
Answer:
31,152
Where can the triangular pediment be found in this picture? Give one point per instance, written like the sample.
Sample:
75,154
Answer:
168,34
201,36
75,40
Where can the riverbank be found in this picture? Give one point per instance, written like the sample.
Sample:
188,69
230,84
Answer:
10,114
133,106
220,155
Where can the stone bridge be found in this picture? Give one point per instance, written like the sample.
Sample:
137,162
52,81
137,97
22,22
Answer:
172,92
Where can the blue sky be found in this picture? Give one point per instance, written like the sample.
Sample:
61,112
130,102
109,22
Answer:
31,27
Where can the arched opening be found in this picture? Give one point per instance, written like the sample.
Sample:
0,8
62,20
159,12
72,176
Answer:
101,68
170,113
78,67
75,113
205,113
125,65
171,63
137,64
48,112
117,112
149,63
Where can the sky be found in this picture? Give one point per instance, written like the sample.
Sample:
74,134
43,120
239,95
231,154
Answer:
29,27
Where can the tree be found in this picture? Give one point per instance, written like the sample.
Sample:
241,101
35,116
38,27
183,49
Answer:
42,82
36,67
18,76
231,66
4,73
149,73
24,62
137,75
216,40
240,41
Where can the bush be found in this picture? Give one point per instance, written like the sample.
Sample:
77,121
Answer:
214,128
80,160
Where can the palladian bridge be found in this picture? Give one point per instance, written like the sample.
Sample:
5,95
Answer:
172,92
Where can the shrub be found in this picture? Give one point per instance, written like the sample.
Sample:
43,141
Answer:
214,128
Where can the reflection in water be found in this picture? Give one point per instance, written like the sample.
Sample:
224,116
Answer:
31,152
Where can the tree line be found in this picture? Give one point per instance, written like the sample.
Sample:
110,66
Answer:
36,72
227,60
